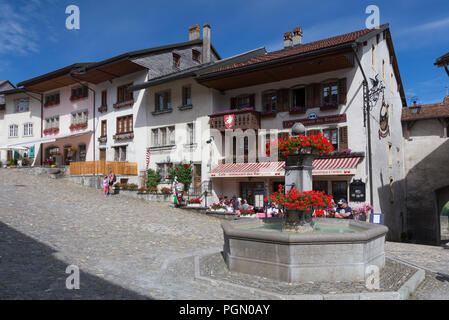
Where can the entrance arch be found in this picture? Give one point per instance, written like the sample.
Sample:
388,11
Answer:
443,212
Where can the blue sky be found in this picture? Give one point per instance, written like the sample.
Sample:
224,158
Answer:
34,40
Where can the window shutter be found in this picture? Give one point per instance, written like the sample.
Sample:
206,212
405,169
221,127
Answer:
233,103
316,95
342,91
343,138
309,97
252,102
282,99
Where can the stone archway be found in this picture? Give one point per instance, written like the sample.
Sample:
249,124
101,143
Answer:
442,196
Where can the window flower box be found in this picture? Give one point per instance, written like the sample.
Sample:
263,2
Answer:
268,114
103,139
298,110
78,126
78,97
123,104
328,106
52,103
51,131
103,109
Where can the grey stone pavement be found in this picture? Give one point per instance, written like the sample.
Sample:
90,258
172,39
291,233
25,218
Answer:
126,248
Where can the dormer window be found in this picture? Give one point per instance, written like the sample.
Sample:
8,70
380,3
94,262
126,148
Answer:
196,55
176,60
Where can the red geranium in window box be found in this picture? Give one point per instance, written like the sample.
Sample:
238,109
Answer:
317,143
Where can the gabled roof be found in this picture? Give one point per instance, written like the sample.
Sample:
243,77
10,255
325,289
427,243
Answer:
196,70
304,48
5,82
427,111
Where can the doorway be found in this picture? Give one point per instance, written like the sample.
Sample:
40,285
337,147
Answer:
248,191
443,213
102,154
340,190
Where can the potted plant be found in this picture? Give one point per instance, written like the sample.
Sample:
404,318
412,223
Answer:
313,144
194,202
247,213
362,213
166,191
217,207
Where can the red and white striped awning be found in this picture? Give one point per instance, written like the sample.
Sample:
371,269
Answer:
261,169
322,167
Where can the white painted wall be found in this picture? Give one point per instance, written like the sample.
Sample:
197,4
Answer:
9,117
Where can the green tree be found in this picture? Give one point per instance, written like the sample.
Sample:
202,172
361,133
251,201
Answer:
153,178
184,174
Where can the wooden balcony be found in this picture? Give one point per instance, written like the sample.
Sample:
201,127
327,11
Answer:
102,167
244,119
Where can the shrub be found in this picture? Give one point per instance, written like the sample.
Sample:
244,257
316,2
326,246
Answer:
153,178
152,189
13,162
132,186
184,174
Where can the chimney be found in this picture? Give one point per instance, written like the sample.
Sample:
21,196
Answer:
206,43
297,36
194,32
287,40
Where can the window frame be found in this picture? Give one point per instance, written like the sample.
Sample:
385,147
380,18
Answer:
176,60
18,109
196,55
187,99
330,85
166,96
29,132
267,98
124,124
123,95
14,129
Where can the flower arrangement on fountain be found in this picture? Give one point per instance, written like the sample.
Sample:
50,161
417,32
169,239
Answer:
246,213
303,201
299,207
364,209
317,143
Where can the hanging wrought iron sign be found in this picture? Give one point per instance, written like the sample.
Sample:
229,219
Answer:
384,115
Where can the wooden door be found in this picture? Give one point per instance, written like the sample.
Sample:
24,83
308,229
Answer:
103,154
197,178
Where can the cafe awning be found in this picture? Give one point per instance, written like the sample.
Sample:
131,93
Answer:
322,167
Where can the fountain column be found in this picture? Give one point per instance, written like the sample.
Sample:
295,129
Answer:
298,175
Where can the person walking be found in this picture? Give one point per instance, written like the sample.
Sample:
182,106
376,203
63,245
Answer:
112,182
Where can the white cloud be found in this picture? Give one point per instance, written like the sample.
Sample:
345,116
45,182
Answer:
18,25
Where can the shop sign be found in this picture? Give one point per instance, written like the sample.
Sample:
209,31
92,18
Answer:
357,191
312,121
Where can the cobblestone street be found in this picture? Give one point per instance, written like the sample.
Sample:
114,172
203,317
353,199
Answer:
125,248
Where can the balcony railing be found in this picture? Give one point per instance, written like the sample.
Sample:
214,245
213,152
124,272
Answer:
243,119
123,104
103,139
124,136
103,167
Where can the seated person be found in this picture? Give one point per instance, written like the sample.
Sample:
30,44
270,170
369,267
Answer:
272,209
343,210
245,206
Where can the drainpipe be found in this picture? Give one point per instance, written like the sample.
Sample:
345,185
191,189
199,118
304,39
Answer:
366,114
93,119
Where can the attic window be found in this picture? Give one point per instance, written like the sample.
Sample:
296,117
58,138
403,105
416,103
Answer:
196,55
176,60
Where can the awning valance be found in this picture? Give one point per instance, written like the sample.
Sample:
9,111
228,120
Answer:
322,167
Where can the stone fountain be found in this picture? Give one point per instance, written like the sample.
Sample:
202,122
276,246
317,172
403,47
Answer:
301,248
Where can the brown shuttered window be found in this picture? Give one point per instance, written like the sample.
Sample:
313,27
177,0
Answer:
316,95
103,128
342,91
104,96
125,124
309,97
283,100
343,138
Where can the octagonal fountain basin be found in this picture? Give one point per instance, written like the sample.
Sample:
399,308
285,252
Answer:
337,250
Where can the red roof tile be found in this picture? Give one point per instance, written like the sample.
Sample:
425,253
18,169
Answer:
307,47
427,111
